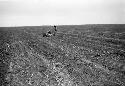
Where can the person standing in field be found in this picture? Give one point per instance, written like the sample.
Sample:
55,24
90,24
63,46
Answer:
55,28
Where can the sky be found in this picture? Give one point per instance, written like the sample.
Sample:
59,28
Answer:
61,12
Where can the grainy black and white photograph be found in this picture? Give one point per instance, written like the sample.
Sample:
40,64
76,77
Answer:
62,43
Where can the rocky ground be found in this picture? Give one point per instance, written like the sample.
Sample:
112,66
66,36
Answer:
72,55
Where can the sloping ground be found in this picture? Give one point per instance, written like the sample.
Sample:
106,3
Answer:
81,55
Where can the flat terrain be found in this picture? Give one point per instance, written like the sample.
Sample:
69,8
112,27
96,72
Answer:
66,55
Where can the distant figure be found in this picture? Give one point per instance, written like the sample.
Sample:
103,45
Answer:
55,30
55,27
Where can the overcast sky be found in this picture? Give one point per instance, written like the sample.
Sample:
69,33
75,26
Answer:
58,12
